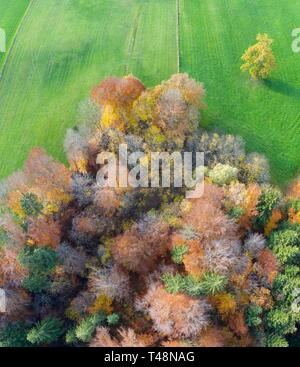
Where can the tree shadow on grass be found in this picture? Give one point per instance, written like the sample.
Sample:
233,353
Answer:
282,87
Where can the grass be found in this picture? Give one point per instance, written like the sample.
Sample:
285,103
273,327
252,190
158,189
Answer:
63,50
214,34
65,47
11,13
154,54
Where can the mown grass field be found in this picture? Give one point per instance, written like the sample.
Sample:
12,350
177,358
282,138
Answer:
153,56
65,47
63,50
11,13
214,34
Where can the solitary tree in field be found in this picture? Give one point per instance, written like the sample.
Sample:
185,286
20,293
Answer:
259,59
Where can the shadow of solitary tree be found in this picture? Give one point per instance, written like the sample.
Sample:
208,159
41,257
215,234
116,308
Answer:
282,87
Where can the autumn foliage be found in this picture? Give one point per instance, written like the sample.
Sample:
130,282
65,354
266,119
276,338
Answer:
259,59
83,265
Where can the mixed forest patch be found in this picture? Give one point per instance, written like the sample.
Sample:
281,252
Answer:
85,265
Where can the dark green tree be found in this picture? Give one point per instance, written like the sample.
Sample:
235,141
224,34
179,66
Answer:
236,212
281,321
113,319
276,341
46,331
86,328
3,237
178,252
36,283
40,260
192,286
253,313
285,245
173,283
14,335
31,205
268,200
71,337
213,283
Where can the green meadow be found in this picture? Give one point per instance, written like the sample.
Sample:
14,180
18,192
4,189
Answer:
214,34
60,49
11,14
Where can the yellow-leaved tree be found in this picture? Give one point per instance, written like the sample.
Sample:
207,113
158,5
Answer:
259,59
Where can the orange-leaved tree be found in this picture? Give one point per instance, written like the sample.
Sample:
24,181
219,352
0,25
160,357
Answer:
259,59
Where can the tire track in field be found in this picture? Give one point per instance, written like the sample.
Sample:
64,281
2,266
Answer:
15,37
132,40
178,35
